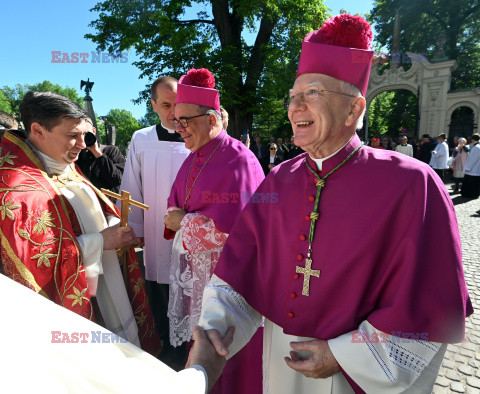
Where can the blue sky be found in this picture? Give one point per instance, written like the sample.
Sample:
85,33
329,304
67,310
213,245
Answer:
32,30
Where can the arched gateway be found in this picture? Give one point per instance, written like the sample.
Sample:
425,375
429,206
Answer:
430,82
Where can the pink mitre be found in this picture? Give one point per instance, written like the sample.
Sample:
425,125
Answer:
197,87
340,49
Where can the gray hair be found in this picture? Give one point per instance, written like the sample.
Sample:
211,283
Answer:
210,111
352,90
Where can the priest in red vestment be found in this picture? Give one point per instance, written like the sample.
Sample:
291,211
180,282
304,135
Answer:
210,190
58,232
351,303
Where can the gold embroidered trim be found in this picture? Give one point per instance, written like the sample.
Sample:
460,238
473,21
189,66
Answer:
21,268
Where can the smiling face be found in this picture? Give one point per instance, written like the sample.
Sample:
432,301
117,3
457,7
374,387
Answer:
199,131
319,125
63,142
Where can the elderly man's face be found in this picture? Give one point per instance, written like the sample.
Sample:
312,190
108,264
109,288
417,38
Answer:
197,132
318,123
164,105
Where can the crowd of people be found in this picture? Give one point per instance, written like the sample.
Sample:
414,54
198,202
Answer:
265,248
275,152
449,160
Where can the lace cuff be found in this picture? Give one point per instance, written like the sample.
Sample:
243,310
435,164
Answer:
223,307
379,362
200,233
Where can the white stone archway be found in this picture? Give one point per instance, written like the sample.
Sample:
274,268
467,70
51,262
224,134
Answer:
430,82
465,98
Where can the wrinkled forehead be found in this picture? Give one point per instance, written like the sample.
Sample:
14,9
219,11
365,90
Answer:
320,81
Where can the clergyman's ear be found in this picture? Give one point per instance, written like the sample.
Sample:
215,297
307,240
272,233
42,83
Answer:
212,119
37,130
356,111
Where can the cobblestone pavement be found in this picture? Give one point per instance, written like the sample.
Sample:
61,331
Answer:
460,371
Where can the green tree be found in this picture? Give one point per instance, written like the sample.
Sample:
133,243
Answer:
169,41
390,111
422,21
5,103
14,95
125,124
150,118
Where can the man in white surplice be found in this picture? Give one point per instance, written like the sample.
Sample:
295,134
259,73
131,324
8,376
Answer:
154,157
326,106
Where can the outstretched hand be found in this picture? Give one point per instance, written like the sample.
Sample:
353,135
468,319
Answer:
203,353
221,344
320,363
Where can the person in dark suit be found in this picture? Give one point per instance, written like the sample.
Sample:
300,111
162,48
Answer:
272,159
426,149
259,149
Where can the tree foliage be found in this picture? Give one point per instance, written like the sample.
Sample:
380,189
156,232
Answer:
11,97
150,117
391,111
125,124
172,36
423,21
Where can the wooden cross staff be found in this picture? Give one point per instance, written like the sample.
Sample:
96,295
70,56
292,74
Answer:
126,201
125,207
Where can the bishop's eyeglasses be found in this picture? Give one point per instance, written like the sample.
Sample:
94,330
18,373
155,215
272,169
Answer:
310,96
183,121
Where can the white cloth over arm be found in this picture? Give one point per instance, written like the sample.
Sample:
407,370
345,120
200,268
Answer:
48,359
414,371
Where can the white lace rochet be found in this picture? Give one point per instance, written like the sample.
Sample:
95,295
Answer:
195,253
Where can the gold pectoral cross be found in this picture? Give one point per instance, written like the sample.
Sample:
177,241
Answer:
307,273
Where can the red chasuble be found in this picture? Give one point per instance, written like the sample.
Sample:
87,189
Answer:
386,244
38,230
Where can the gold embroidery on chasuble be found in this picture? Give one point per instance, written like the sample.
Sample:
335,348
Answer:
37,250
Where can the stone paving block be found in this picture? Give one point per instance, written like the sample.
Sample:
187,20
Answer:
440,390
457,387
466,370
473,382
474,340
448,364
467,352
458,358
474,364
469,346
442,381
453,375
